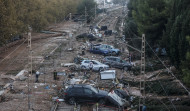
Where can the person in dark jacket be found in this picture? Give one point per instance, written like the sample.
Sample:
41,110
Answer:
55,75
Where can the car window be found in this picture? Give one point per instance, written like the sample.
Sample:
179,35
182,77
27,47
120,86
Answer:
109,47
118,60
86,61
119,94
109,58
94,89
69,90
77,91
97,48
104,46
94,62
114,59
88,91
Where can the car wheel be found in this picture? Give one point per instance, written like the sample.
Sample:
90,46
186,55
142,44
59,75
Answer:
101,69
83,67
72,101
125,68
72,67
109,65
101,101
114,53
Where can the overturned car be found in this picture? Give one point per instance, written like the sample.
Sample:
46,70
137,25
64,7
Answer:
119,98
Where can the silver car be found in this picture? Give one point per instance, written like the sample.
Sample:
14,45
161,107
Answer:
96,65
117,62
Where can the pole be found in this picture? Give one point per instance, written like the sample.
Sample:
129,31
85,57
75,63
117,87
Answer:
142,85
104,6
85,15
30,62
95,12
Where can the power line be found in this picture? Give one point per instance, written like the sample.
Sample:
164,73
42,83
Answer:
159,99
165,66
168,69
164,89
13,51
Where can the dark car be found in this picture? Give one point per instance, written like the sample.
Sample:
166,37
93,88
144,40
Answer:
98,50
108,32
91,37
84,93
113,51
103,28
117,63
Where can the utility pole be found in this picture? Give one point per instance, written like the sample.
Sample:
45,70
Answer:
95,12
85,15
142,85
30,62
104,6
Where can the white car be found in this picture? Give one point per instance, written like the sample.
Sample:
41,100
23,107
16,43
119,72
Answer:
119,97
96,65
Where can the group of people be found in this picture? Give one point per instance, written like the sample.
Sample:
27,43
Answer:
54,75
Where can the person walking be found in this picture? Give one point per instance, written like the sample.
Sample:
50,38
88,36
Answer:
37,75
54,75
130,58
91,66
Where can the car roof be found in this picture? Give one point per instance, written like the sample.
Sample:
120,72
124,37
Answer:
81,85
106,44
91,60
112,57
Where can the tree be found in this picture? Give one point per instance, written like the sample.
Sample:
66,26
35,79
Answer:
186,66
151,17
90,6
177,29
17,15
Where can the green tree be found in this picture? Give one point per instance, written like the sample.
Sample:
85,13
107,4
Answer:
177,29
90,6
17,15
151,17
186,66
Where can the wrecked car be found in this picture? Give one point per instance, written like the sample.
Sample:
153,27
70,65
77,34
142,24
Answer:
98,50
96,65
103,28
104,49
110,48
84,93
119,97
91,37
108,32
117,62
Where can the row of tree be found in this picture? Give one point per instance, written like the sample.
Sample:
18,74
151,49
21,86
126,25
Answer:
17,15
166,24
